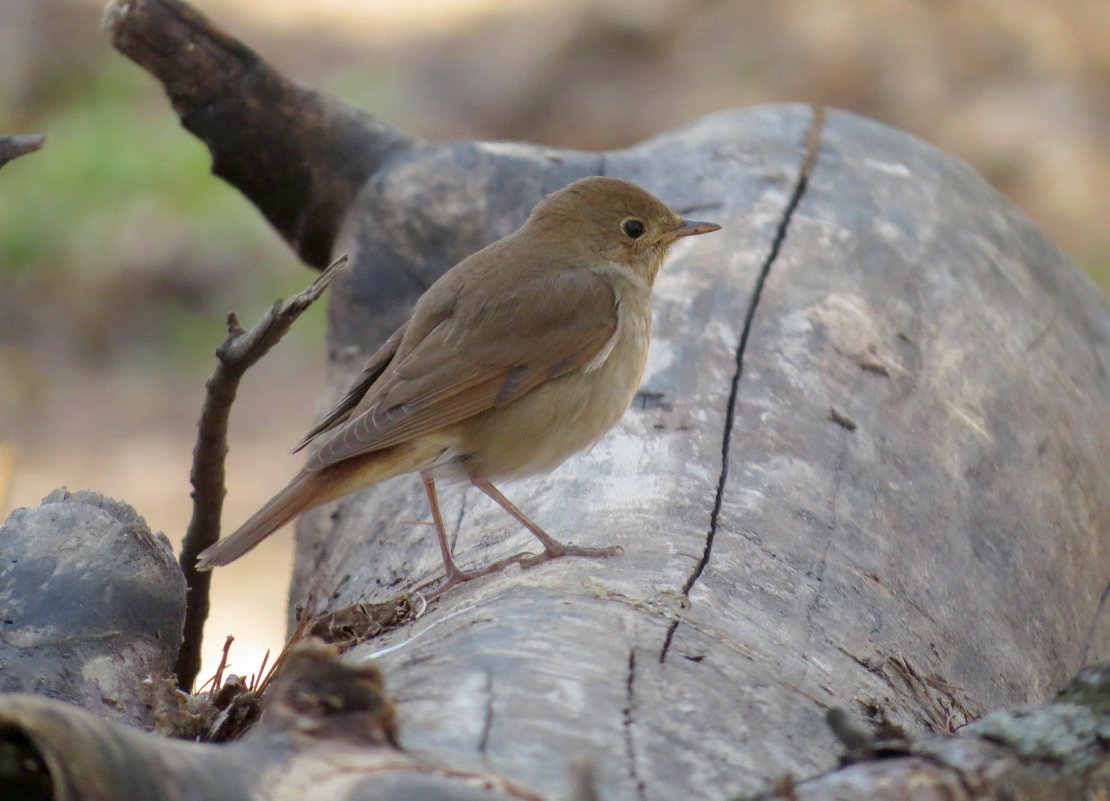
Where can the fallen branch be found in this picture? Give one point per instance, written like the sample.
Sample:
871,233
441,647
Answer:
14,146
296,153
328,731
235,356
1035,753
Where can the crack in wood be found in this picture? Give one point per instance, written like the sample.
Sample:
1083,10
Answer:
487,719
813,141
823,562
459,519
629,741
1099,609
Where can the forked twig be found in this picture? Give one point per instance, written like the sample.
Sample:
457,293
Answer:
234,357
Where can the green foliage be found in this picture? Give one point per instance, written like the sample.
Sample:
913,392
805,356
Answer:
117,237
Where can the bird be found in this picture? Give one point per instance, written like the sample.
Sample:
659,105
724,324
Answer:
521,355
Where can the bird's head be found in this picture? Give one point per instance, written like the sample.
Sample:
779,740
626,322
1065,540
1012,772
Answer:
615,220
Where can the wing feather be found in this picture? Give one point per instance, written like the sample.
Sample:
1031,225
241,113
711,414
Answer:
478,354
361,385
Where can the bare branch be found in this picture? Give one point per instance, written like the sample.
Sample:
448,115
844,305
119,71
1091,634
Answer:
235,356
299,155
14,146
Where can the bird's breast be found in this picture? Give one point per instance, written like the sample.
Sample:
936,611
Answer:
564,415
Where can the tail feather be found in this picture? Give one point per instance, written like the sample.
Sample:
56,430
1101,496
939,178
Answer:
302,493
311,488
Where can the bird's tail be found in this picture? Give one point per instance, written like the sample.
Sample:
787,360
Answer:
311,488
301,494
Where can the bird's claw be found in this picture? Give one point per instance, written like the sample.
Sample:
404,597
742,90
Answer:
560,550
434,589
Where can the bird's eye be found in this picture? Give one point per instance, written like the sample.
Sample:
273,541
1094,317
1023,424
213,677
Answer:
632,228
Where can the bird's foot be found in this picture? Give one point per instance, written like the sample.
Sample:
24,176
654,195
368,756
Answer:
434,589
555,550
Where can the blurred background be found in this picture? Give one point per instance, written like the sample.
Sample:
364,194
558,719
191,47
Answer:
120,255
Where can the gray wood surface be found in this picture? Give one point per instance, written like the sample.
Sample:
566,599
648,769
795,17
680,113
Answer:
867,470
905,514
91,605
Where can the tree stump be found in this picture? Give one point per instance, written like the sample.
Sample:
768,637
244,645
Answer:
867,468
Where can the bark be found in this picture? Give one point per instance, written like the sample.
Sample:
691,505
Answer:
91,605
328,732
1057,751
881,484
14,146
866,470
297,154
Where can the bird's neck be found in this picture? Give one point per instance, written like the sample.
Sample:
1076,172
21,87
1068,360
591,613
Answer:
625,276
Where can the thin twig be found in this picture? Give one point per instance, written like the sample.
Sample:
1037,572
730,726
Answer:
297,635
256,679
234,357
217,678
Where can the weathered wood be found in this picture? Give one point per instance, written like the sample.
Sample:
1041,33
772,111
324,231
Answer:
317,714
299,155
14,146
1046,753
91,605
328,732
944,557
882,486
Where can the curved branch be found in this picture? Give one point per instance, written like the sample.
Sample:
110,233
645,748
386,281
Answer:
298,154
14,146
235,356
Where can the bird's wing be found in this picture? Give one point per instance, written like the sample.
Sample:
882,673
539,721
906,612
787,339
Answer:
377,364
484,352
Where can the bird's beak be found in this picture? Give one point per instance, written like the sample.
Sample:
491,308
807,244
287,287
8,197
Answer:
693,228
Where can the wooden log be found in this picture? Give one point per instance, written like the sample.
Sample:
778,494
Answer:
91,605
867,468
328,732
880,484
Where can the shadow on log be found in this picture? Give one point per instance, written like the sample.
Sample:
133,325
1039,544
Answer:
867,468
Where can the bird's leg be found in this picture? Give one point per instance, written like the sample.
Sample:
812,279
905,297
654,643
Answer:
454,575
552,548
449,566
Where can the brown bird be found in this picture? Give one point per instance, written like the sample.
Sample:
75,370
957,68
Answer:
516,358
